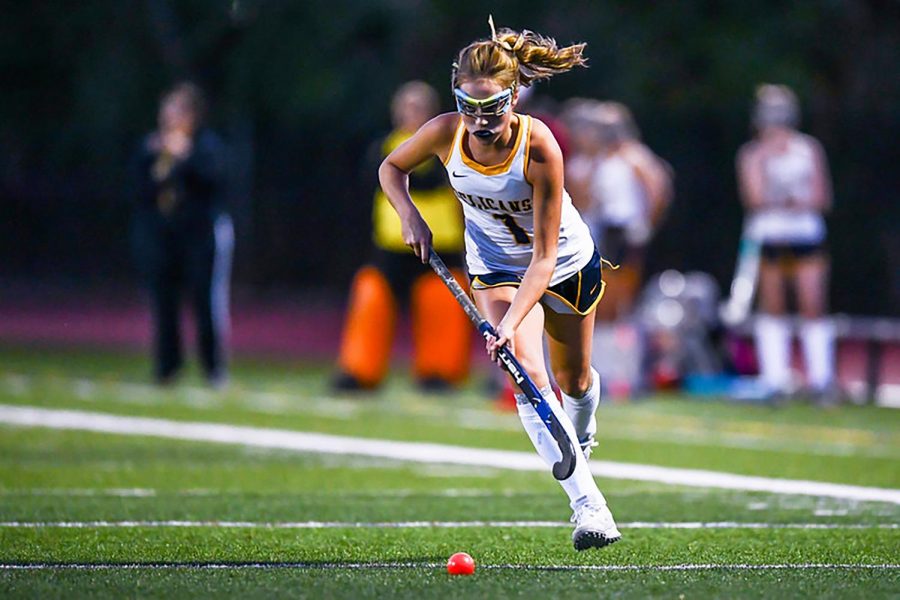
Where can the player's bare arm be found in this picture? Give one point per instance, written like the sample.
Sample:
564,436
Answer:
821,196
432,139
652,173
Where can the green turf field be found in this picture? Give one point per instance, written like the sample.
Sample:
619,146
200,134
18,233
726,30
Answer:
101,514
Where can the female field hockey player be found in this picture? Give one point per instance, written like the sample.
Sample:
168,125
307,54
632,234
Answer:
393,279
532,263
786,189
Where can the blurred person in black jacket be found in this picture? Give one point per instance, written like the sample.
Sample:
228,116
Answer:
183,235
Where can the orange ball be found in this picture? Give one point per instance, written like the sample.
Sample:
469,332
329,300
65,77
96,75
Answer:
461,564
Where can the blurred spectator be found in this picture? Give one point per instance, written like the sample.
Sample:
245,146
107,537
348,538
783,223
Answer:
622,189
183,235
545,109
785,187
583,149
441,332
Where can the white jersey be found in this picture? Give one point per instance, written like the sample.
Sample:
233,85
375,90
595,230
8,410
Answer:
499,213
622,198
788,175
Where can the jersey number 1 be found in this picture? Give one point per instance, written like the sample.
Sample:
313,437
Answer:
519,234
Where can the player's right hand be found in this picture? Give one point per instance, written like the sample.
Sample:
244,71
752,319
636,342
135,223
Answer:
417,235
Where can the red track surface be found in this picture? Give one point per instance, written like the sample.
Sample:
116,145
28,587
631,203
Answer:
292,328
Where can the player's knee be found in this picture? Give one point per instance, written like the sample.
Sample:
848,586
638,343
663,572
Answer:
573,382
772,305
811,312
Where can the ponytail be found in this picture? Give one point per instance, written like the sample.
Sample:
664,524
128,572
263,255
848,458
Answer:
515,58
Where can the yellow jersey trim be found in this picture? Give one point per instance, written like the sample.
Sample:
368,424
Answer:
589,309
527,151
500,168
457,139
477,284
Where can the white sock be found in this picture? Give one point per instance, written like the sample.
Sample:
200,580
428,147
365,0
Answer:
580,486
582,410
773,351
817,338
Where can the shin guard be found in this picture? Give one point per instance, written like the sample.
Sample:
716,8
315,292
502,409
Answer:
773,350
580,487
817,337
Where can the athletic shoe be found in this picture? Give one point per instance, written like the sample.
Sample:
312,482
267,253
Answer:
434,385
344,382
217,380
587,446
828,397
594,527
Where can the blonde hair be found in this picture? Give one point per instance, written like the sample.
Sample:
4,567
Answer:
513,58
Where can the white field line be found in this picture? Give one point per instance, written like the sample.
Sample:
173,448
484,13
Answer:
423,525
74,492
152,493
417,452
431,565
685,431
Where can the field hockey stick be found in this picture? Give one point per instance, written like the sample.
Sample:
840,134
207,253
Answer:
737,307
566,465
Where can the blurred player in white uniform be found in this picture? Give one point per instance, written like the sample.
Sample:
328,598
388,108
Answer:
622,190
531,259
786,189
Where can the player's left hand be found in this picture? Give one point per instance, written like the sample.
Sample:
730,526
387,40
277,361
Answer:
505,335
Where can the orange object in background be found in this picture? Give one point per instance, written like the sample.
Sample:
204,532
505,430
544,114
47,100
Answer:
442,335
369,330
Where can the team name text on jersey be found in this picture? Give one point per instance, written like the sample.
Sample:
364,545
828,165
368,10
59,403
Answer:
480,202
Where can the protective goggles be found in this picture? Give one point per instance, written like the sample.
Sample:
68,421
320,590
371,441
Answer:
494,106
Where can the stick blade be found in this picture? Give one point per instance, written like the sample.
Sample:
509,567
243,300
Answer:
564,468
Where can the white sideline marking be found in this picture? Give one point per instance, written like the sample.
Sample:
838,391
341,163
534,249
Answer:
417,452
681,430
430,565
151,493
114,492
427,524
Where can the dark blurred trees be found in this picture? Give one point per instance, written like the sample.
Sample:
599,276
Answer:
300,88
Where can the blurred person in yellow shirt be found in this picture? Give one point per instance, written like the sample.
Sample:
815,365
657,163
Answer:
394,276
